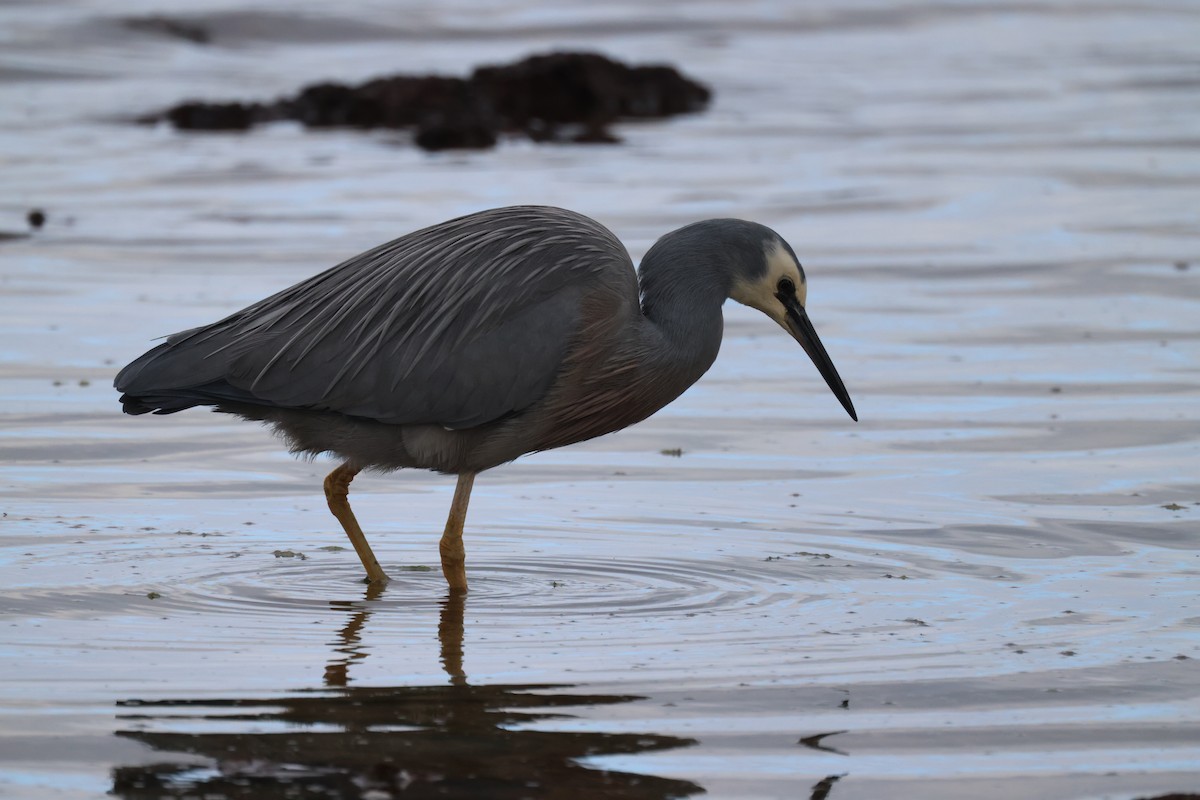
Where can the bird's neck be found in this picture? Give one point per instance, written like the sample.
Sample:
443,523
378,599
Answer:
681,300
629,369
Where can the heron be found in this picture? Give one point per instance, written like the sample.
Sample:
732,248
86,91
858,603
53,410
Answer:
467,344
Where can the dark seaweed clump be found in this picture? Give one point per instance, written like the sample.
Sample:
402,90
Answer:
555,97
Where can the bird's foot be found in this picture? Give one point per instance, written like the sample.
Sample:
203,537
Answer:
454,567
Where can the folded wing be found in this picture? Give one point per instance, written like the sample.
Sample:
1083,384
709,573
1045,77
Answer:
458,324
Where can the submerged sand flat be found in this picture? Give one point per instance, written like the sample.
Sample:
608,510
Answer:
987,588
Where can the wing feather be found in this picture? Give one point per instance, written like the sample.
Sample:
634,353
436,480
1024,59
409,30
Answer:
457,324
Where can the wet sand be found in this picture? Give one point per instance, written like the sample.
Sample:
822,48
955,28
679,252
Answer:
985,588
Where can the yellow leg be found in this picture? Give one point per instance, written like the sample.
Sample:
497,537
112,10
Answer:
337,491
454,555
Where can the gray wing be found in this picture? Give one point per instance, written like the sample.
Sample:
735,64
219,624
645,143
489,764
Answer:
457,324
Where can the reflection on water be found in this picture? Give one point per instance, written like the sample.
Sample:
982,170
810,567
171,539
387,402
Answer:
821,790
454,740
337,672
445,741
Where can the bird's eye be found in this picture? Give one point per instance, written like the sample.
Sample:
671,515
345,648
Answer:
786,288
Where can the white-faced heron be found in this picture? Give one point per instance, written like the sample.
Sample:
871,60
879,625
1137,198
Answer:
467,344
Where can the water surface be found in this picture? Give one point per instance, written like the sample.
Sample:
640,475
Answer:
985,588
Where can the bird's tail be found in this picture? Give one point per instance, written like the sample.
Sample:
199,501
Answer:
185,371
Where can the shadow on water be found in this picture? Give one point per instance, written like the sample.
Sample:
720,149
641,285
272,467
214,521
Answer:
339,741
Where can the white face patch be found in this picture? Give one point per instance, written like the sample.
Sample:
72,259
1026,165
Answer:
760,294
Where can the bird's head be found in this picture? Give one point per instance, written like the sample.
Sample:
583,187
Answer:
776,286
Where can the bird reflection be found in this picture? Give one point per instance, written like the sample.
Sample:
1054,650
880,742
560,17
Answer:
342,741
450,634
349,648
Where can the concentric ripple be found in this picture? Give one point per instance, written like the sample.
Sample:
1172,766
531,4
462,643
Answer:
240,575
578,586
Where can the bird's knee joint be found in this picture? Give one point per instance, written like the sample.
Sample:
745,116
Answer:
337,484
335,490
453,551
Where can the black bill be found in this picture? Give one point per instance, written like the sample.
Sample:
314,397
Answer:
806,335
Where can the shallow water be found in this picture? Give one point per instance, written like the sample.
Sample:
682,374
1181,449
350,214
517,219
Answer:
986,588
